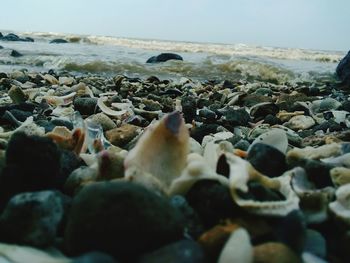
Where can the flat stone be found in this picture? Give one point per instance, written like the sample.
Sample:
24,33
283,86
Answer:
122,135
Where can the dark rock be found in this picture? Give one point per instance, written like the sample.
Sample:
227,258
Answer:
184,251
201,102
267,159
291,230
29,39
69,161
345,104
343,70
61,122
15,54
137,120
58,41
263,109
218,204
272,119
315,243
24,106
32,164
121,219
199,132
164,57
33,218
3,75
11,37
207,114
242,145
86,106
324,126
95,257
20,114
189,108
238,117
193,225
1,35
1,47
228,85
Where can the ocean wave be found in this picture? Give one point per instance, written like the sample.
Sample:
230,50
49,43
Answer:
192,47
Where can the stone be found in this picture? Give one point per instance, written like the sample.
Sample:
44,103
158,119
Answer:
164,57
15,54
193,225
86,106
189,108
218,205
267,159
273,252
184,251
343,70
300,122
315,244
122,219
122,135
215,238
106,122
33,218
58,41
32,164
238,117
94,257
207,114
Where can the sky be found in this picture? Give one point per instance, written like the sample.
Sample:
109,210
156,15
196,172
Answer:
310,24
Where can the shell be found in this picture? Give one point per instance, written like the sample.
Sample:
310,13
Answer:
340,176
286,116
313,202
161,150
275,137
342,160
197,169
28,127
108,111
241,172
324,151
341,207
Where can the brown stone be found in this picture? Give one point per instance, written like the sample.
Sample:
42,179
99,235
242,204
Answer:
122,135
274,252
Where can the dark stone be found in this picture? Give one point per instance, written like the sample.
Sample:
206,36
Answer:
201,102
15,54
267,159
164,57
184,251
343,70
86,106
238,117
1,47
189,108
199,132
24,106
3,75
291,230
345,104
29,39
193,225
242,145
207,114
20,114
228,85
137,120
315,243
272,119
212,201
324,126
69,162
11,37
32,164
95,257
33,218
122,219
58,41
1,35
260,193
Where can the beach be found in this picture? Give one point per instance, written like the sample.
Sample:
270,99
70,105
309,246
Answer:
227,153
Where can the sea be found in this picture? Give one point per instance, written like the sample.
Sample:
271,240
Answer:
108,55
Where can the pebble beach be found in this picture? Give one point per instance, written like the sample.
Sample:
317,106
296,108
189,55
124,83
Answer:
111,166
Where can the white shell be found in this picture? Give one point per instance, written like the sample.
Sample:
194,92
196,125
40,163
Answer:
341,207
276,138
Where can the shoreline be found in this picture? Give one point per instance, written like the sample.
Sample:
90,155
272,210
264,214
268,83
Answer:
152,167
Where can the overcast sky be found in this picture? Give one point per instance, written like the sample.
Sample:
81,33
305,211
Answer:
315,24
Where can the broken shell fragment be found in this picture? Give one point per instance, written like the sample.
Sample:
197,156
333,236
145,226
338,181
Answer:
108,111
340,176
162,149
341,207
